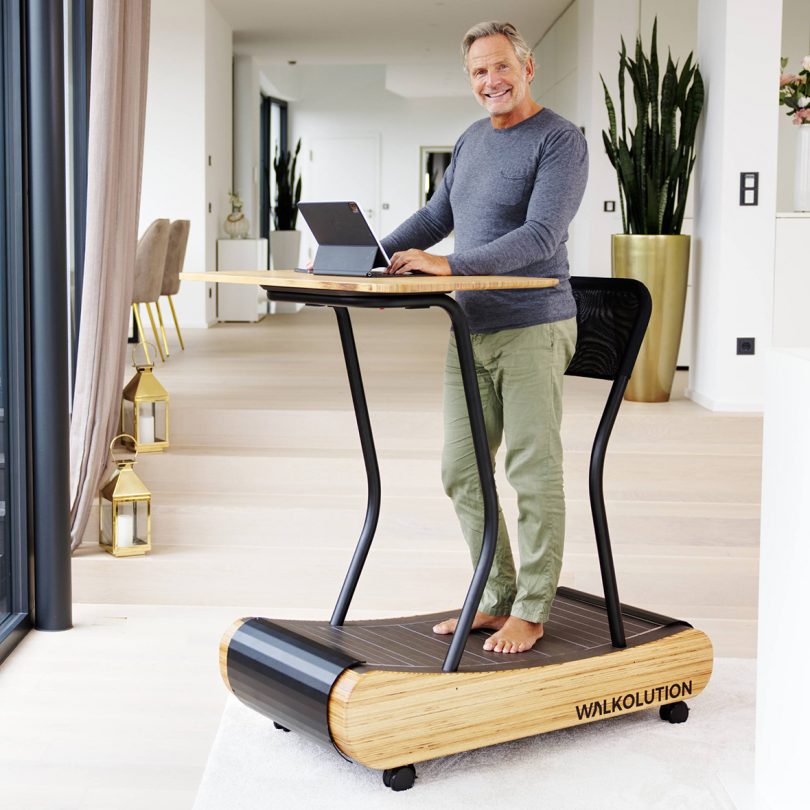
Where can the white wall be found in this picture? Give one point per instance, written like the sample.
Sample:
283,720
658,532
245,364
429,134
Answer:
556,59
188,118
739,43
218,134
342,101
556,62
246,113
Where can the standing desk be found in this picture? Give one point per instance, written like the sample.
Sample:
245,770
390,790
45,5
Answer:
389,693
402,292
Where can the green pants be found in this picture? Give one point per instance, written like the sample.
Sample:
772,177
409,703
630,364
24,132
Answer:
520,375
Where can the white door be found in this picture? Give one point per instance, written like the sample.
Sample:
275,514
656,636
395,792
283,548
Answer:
342,168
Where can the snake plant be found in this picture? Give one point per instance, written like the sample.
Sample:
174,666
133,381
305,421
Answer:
288,189
654,161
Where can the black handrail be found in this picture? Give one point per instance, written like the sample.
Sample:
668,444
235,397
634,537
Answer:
600,524
626,355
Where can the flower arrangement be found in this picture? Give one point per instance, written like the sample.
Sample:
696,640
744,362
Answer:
794,91
236,223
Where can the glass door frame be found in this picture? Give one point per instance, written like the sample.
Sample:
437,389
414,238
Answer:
35,321
14,278
267,180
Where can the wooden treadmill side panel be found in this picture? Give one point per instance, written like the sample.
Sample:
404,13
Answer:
383,719
223,651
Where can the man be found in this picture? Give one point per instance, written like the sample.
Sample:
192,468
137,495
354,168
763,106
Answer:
514,183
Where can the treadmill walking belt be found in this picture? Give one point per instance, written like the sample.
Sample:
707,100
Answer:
577,628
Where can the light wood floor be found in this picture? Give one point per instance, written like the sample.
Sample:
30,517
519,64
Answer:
257,507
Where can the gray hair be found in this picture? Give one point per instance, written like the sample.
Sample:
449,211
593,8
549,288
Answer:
489,29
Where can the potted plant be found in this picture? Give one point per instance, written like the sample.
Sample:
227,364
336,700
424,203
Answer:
285,241
794,93
653,164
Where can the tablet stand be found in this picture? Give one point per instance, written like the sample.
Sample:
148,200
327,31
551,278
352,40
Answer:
346,260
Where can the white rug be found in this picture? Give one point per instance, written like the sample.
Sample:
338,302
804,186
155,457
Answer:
636,761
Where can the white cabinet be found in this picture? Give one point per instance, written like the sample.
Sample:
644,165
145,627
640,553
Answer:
241,302
791,281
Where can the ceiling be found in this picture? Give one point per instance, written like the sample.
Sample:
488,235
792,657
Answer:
342,32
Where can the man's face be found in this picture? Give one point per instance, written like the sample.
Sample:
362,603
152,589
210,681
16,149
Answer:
500,83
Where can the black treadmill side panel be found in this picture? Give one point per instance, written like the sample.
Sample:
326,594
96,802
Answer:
284,676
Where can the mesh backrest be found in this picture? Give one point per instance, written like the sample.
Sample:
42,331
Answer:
612,316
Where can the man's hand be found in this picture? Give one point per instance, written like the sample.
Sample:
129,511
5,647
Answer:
418,260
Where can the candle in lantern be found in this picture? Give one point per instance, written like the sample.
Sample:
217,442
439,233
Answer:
146,424
125,530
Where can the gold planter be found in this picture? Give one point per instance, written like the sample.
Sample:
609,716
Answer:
662,264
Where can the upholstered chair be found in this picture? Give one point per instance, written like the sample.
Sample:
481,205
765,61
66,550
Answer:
150,259
175,256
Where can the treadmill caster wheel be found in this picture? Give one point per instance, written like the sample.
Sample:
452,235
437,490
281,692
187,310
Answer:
280,727
675,712
400,778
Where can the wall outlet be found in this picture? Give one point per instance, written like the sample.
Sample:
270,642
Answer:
746,345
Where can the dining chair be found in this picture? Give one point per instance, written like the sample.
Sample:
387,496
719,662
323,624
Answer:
150,260
175,256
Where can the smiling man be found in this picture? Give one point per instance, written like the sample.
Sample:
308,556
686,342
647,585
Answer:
515,181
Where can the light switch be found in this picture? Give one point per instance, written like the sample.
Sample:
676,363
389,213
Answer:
749,188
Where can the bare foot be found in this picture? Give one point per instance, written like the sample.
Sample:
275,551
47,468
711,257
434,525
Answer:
482,621
515,636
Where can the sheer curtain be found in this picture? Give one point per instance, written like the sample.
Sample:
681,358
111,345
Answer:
119,64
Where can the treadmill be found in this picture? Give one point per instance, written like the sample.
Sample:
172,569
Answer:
390,693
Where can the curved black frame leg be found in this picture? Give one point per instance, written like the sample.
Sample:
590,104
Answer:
372,468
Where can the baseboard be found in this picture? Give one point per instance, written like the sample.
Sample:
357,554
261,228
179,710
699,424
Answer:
712,404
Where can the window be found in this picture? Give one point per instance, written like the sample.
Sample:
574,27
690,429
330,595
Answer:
5,544
273,137
434,162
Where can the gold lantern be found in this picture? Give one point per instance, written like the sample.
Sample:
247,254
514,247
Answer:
125,508
145,410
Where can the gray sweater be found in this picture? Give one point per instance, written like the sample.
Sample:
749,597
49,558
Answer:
510,195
